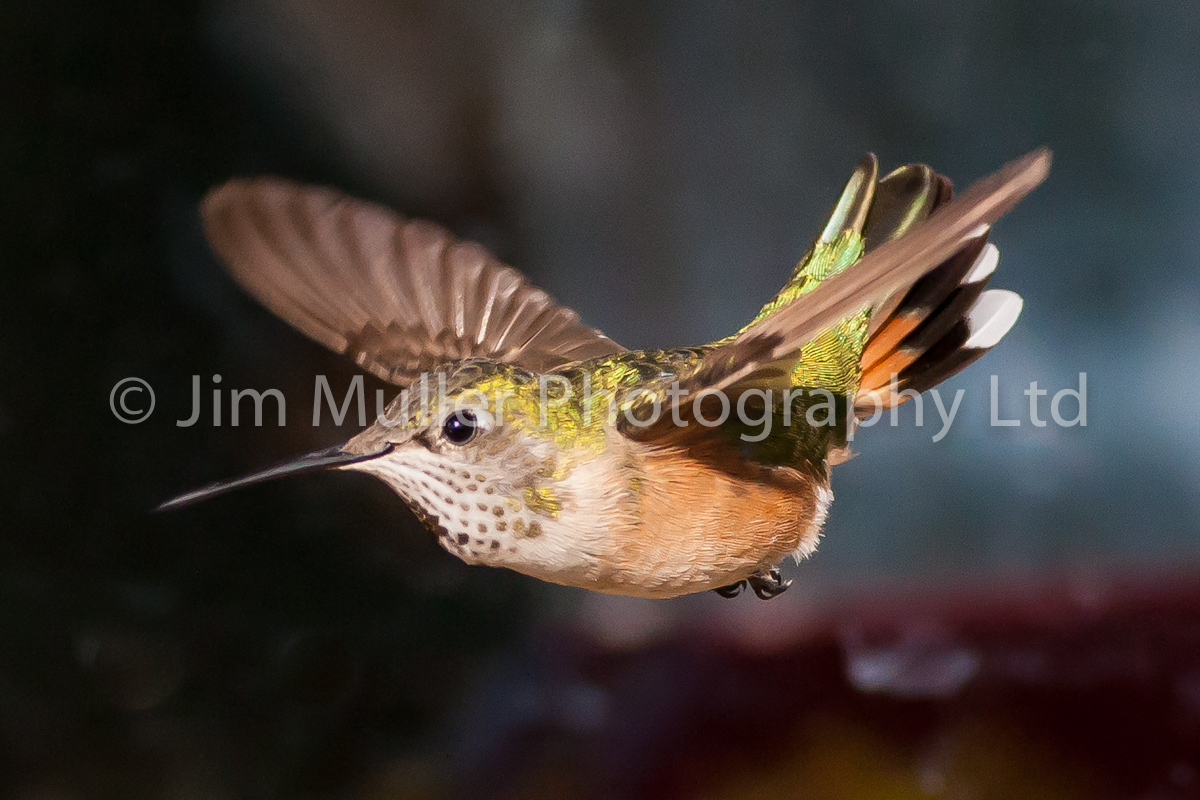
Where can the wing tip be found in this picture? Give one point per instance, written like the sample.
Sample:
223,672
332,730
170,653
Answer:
1034,166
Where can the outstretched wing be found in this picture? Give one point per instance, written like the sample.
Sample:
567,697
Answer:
399,296
770,348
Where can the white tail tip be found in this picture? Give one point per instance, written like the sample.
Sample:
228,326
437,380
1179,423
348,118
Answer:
992,316
985,264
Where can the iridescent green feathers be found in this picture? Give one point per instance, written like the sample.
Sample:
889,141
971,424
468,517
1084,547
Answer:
868,213
922,332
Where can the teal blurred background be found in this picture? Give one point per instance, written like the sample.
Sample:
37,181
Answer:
660,167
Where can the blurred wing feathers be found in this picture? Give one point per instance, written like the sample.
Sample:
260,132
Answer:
399,296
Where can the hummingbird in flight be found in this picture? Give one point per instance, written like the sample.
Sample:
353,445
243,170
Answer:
554,451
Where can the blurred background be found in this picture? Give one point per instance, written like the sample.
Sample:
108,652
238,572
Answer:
1008,612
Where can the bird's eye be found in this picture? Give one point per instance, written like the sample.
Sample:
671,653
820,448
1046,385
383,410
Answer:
460,427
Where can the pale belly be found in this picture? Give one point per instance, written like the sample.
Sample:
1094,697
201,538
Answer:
642,523
680,526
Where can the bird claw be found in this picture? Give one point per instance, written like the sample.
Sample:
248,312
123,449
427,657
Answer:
732,590
765,584
768,584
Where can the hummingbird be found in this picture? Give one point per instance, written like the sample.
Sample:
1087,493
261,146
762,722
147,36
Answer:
552,450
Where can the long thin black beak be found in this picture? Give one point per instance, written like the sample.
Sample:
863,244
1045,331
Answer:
322,459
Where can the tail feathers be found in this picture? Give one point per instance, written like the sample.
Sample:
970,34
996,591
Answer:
926,358
929,307
925,333
906,196
894,284
918,335
903,197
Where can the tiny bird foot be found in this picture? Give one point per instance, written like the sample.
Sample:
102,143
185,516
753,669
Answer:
732,590
768,584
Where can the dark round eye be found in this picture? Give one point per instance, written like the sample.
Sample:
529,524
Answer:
460,427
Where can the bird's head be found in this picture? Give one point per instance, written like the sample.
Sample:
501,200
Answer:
480,451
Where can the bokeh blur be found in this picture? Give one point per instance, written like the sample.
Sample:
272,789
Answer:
1007,612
